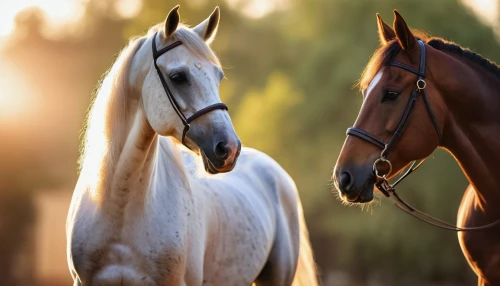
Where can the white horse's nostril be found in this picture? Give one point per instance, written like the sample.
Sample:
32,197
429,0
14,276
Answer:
221,151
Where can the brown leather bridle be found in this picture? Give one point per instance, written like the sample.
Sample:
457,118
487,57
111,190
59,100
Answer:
383,184
185,120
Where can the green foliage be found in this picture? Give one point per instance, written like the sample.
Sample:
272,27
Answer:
258,116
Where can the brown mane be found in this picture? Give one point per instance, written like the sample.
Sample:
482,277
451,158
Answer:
385,54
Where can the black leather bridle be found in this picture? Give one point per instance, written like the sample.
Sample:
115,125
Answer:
185,120
383,184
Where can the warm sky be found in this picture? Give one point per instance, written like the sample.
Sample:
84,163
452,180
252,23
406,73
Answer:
69,11
58,12
487,9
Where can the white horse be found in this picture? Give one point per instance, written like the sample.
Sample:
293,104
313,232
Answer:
145,211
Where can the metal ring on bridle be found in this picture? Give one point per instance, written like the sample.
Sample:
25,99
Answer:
375,169
421,84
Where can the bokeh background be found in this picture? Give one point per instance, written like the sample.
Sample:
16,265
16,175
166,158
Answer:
290,67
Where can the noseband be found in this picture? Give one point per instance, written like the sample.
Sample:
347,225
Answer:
185,120
383,184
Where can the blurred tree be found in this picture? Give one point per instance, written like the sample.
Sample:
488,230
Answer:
261,107
16,226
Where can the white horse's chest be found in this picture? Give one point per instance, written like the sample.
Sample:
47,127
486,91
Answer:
145,245
218,232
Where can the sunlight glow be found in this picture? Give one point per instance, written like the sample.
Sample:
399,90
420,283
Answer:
57,12
487,10
258,8
16,98
128,8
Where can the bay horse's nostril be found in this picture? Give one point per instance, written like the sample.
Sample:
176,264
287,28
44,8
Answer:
221,151
345,181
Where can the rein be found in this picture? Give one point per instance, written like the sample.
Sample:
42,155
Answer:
383,184
186,121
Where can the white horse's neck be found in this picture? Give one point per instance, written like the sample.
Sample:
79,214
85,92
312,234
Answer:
130,176
142,159
133,151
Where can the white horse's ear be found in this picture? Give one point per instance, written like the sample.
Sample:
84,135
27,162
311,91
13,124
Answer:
171,22
208,28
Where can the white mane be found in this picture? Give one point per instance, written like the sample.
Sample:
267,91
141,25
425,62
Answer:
109,106
107,116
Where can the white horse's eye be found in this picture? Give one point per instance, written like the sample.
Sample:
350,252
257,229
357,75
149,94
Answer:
178,77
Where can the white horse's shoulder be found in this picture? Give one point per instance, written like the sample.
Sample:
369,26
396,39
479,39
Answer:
254,156
259,159
266,168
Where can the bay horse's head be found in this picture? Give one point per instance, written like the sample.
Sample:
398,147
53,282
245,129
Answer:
178,76
401,117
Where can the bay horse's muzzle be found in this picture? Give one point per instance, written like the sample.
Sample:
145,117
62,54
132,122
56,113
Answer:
355,183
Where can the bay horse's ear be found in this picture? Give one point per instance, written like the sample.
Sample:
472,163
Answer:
385,32
406,39
208,28
171,22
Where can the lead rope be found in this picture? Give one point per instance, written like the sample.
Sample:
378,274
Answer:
407,208
387,189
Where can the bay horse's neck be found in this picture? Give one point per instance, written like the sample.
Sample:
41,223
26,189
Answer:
471,132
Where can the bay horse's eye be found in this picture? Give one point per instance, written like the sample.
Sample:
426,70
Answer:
178,77
390,95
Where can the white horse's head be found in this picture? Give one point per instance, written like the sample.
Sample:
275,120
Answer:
192,73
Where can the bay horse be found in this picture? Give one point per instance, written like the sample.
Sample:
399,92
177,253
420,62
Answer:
419,94
160,199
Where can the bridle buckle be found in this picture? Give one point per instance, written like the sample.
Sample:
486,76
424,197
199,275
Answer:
421,84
